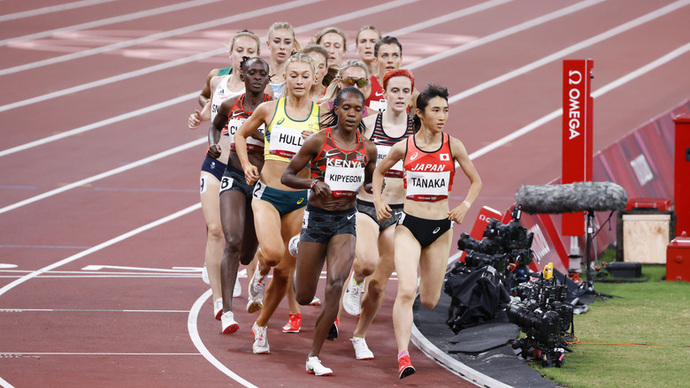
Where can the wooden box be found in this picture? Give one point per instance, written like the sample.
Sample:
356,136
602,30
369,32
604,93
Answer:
643,235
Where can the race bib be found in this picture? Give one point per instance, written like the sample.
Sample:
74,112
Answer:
285,141
427,186
344,181
397,170
378,105
253,145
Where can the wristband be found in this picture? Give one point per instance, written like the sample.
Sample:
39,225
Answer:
467,203
313,183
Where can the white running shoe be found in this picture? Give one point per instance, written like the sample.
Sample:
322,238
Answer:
352,300
237,291
293,245
204,275
218,308
228,323
362,351
257,290
260,345
314,367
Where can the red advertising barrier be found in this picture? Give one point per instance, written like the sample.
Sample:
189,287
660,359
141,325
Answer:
577,133
682,174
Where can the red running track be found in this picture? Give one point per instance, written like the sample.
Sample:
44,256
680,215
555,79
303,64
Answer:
98,168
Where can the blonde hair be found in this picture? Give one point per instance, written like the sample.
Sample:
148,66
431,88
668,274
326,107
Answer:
365,28
284,26
301,58
248,34
331,30
333,89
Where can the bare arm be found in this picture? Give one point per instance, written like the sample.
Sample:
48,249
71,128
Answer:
205,94
397,153
372,156
262,115
217,126
309,150
460,155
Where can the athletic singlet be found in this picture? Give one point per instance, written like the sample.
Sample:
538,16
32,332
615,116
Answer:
342,170
239,115
428,175
384,143
283,137
225,71
376,100
221,94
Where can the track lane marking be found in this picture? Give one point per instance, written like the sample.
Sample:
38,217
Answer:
110,20
99,247
189,96
598,93
160,35
196,57
52,9
193,331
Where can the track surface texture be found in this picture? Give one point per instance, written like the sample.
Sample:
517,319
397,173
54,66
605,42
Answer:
101,233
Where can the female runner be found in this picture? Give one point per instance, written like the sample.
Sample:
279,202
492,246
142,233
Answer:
281,44
278,209
365,41
319,55
235,194
375,243
341,161
423,235
212,170
351,73
334,40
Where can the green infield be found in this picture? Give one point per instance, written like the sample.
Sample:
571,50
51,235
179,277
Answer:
641,339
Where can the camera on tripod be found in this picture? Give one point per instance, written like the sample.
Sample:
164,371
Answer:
542,313
507,248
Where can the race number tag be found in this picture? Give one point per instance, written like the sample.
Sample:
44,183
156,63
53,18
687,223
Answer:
427,186
378,105
344,181
285,141
253,144
397,170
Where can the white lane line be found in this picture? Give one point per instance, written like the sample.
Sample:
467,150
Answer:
194,94
454,98
5,384
10,310
452,364
569,50
161,35
51,9
446,18
598,93
98,247
193,331
111,20
193,58
30,354
504,33
102,123
103,175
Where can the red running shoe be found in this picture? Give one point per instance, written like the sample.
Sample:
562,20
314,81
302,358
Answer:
294,324
405,367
